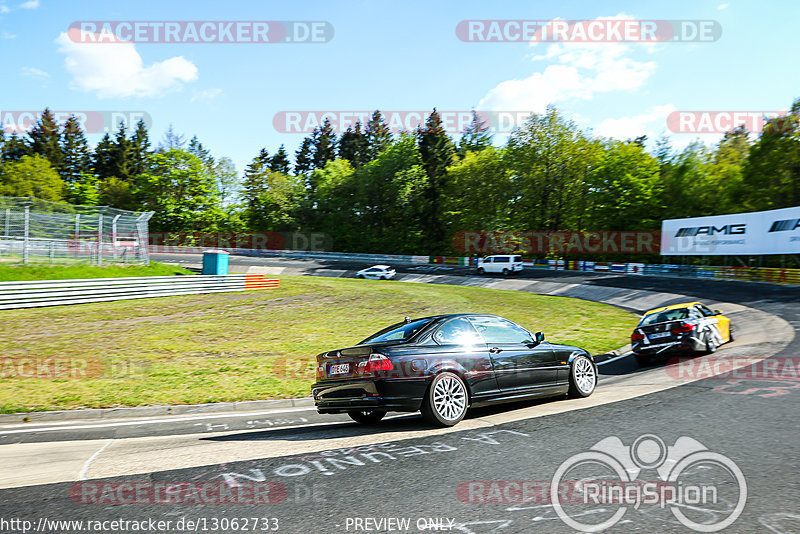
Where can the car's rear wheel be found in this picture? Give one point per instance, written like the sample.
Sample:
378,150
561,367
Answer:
582,377
481,270
359,276
445,402
367,417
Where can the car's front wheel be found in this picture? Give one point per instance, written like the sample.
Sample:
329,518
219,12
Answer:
505,272
367,417
582,377
445,402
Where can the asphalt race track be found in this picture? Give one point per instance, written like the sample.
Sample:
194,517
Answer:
295,471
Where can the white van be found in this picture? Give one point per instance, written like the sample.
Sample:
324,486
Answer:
505,264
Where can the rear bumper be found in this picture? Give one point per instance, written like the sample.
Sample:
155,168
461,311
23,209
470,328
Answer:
401,395
669,347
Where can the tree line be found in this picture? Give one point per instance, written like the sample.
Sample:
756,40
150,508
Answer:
409,192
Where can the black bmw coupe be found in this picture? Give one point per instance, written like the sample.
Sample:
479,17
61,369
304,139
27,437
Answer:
444,364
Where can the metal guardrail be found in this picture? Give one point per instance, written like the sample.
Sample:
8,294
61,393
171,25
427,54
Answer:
40,293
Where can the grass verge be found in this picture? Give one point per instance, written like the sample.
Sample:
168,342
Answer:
249,345
14,273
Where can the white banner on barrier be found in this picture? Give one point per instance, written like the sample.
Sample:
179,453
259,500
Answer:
756,233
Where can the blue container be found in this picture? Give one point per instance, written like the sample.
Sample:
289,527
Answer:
215,262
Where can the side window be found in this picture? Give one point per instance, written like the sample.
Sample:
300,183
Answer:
501,259
457,332
496,330
517,259
694,313
490,259
705,311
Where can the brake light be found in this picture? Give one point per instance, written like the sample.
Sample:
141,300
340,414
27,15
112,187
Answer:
377,362
320,371
637,336
683,328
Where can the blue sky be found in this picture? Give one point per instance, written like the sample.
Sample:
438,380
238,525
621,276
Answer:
395,56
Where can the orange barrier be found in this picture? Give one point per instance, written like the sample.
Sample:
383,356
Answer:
260,281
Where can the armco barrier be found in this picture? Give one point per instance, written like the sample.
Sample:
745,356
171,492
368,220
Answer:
59,292
754,274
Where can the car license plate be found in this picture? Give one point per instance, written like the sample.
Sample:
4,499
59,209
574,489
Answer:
339,369
659,335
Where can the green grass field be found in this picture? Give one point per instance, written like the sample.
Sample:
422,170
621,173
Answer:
18,272
249,345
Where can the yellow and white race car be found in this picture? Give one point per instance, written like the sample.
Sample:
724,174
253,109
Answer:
687,327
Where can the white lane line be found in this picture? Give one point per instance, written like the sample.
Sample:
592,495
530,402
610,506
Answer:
82,475
154,421
615,358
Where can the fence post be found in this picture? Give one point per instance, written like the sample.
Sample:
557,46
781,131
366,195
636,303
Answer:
8,222
100,240
114,235
25,236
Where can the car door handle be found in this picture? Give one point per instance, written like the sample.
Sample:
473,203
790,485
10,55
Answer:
495,350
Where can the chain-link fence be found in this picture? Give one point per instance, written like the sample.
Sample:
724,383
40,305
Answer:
38,230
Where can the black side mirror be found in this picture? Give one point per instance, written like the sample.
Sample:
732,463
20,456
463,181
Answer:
538,337
717,312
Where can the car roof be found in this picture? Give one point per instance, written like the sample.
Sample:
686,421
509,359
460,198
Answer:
450,315
673,307
378,266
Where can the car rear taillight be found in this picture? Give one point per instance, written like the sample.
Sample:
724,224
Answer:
320,371
683,328
377,362
637,336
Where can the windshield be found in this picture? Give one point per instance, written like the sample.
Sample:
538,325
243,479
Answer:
397,332
664,316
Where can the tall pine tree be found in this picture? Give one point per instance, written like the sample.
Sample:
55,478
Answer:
378,135
280,162
45,139
75,150
324,141
304,157
354,146
140,149
475,137
437,152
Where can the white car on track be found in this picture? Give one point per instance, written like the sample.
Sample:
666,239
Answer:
501,263
377,272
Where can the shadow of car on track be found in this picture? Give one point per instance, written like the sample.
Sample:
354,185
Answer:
398,422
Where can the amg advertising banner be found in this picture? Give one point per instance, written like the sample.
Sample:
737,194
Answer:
756,233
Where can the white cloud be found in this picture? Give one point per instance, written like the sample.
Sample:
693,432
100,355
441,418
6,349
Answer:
651,123
4,9
578,71
7,35
117,70
30,4
722,6
206,95
32,72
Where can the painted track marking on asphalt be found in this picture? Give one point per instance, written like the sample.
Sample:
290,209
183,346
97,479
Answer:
82,475
154,421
